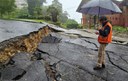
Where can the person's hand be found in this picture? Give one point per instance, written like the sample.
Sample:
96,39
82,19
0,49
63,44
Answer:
97,33
99,28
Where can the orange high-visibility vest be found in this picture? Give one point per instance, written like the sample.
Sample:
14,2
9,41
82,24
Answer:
107,39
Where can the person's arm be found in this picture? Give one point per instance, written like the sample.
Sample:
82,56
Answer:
105,32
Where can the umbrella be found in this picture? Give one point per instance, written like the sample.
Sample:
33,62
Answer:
100,7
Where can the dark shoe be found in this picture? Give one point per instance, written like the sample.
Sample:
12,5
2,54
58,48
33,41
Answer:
103,65
97,68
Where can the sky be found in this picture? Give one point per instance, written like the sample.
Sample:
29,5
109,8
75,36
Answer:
70,6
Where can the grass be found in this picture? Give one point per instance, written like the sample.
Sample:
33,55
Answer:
34,20
120,29
31,20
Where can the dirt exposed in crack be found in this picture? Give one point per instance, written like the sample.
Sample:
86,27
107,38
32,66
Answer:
51,72
25,43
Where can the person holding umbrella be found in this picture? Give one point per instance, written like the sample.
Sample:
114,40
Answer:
104,38
101,7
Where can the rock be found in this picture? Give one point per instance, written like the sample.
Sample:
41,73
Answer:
22,60
51,39
35,72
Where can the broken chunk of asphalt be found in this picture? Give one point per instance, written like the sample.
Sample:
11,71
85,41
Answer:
10,72
51,39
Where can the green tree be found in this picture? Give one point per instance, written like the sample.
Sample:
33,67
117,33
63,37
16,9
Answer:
63,17
57,5
6,6
53,12
23,12
34,6
44,10
71,23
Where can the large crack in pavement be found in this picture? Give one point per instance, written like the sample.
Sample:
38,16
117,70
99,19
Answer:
114,63
82,68
74,65
19,76
107,52
51,71
52,74
124,59
91,43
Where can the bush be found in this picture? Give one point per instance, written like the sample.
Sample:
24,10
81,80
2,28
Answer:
120,29
47,18
72,24
57,23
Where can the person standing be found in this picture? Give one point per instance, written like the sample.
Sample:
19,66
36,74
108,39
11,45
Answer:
104,38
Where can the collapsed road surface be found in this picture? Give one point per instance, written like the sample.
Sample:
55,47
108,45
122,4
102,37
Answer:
68,57
10,29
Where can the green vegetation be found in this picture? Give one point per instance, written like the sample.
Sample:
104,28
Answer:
70,23
37,12
34,7
120,29
6,7
53,12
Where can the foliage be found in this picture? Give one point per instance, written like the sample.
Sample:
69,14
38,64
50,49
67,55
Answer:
36,10
34,7
47,18
120,29
57,23
63,17
22,13
53,12
71,23
44,11
57,5
6,6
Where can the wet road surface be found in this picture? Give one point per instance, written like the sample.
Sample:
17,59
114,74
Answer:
71,57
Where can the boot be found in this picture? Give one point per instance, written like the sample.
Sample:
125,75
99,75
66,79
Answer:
97,68
103,65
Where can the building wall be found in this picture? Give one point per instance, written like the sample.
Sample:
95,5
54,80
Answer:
126,16
87,20
116,19
120,19
83,20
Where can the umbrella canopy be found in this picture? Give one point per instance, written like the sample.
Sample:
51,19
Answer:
100,7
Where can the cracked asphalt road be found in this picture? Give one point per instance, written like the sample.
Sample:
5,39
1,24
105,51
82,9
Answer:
82,53
70,57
